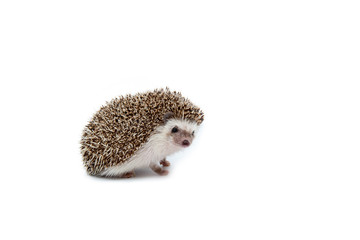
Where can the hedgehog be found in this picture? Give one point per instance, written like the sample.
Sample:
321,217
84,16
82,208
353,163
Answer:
137,131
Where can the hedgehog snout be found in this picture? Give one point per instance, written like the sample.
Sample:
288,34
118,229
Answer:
186,143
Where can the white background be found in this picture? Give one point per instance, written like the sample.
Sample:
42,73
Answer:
277,156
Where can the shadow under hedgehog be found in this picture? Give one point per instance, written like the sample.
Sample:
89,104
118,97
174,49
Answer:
136,131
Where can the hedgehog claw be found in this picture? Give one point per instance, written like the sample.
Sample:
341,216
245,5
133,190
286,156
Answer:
165,163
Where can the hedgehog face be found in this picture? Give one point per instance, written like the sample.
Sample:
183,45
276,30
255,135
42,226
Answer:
181,132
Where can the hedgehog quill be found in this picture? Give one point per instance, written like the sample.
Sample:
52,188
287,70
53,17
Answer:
137,131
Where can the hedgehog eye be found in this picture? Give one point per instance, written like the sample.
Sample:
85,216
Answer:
193,133
174,130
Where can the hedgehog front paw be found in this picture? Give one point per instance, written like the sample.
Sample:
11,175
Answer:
159,170
165,163
163,172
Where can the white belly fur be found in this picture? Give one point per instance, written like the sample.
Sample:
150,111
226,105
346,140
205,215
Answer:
141,159
157,148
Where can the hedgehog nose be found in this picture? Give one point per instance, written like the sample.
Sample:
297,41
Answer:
186,143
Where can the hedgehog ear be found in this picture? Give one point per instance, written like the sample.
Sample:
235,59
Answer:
167,116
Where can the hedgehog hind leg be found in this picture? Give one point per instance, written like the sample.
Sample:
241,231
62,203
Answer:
119,171
128,174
